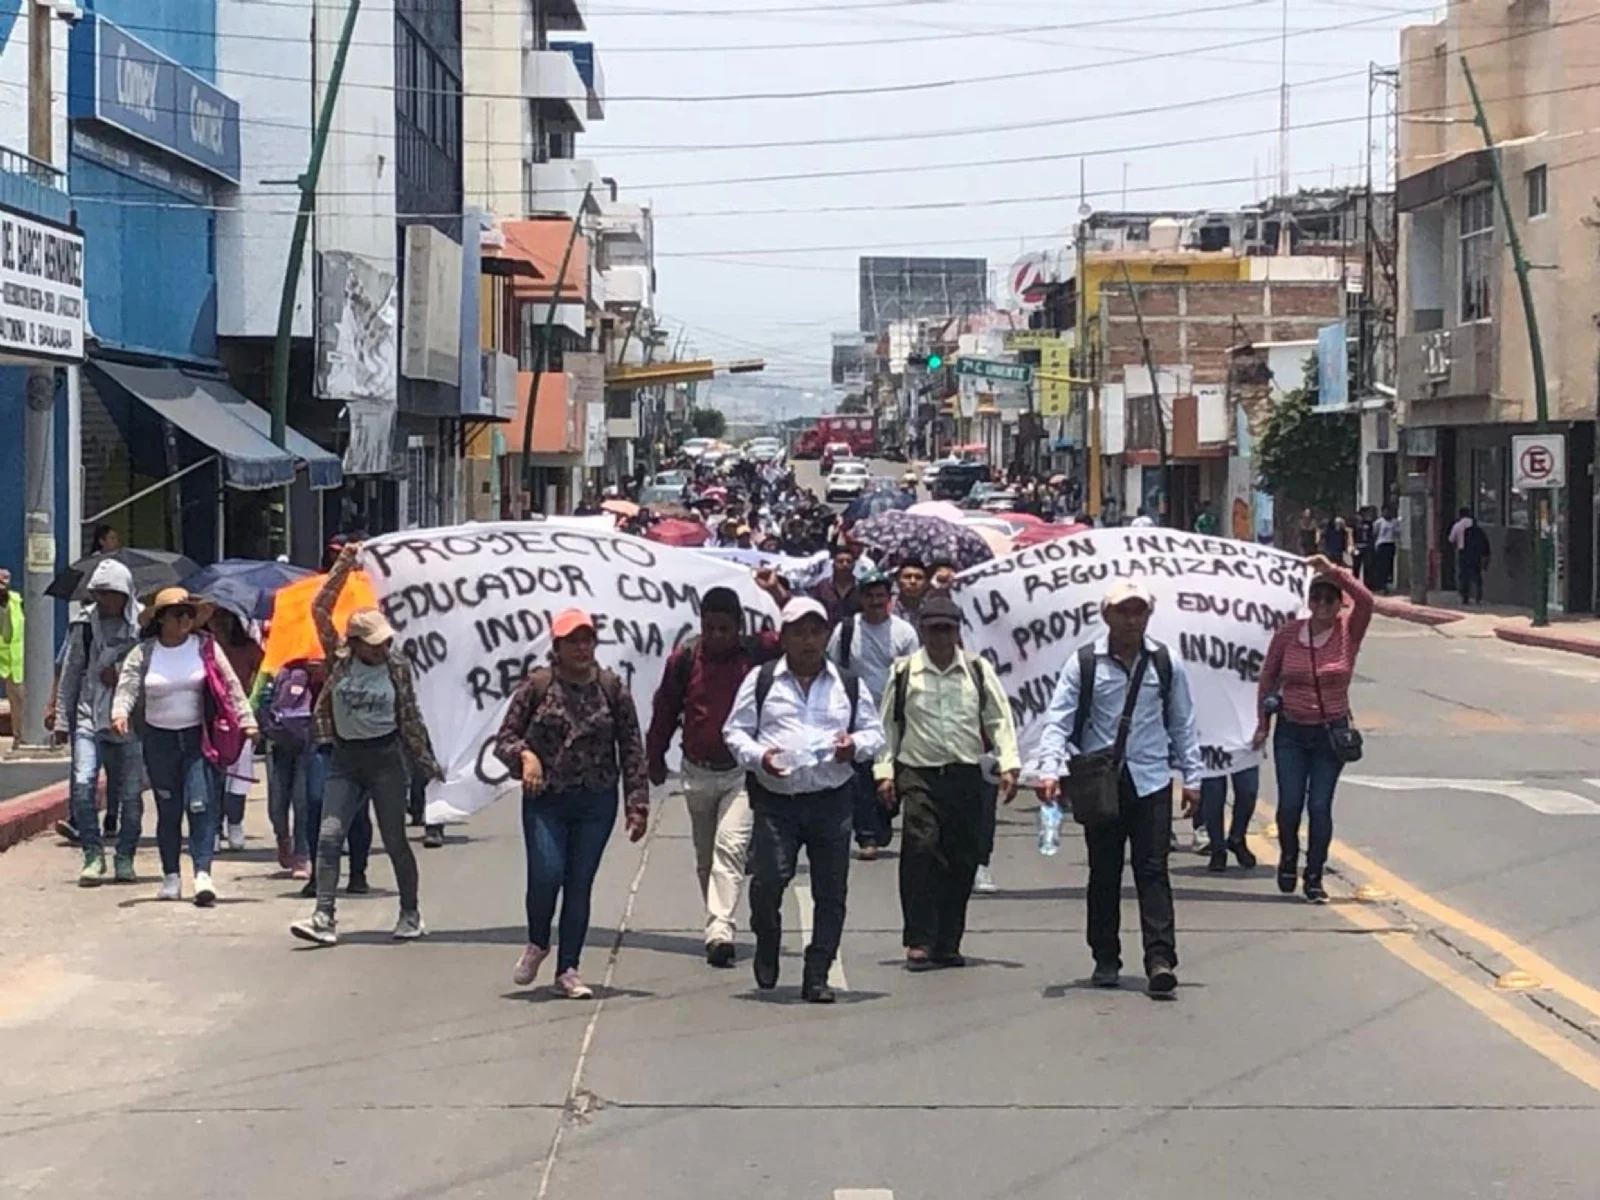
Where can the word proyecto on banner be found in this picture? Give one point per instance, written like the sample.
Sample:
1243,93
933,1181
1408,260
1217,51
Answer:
472,608
1217,604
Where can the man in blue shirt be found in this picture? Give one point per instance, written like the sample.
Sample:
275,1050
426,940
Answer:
1161,732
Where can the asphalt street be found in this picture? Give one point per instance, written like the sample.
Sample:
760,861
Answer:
1360,1049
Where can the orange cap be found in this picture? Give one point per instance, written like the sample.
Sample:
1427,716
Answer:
569,621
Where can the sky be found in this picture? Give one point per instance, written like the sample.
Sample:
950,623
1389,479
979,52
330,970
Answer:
908,103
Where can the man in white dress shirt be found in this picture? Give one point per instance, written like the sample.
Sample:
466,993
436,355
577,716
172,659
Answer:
798,726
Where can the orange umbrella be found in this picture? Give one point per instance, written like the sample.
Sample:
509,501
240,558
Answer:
292,634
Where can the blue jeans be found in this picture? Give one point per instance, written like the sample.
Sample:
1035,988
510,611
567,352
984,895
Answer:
565,833
123,763
183,782
1214,799
1308,772
358,833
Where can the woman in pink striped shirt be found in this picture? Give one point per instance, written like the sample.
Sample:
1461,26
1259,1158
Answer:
1309,665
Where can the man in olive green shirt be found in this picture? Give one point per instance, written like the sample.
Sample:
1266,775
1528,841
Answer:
943,710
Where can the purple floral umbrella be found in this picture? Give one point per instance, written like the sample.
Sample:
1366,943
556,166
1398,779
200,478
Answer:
892,538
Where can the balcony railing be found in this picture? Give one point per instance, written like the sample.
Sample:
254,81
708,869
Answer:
33,186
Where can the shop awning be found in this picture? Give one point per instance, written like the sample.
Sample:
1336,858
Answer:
214,414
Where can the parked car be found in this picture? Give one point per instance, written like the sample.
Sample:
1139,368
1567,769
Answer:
833,453
694,448
764,450
847,480
931,471
657,493
999,500
955,480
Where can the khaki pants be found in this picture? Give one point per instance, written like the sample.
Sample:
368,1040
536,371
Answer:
720,823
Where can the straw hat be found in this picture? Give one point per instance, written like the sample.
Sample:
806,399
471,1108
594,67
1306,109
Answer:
172,597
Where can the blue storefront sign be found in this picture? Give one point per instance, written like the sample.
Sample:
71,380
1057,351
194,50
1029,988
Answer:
120,82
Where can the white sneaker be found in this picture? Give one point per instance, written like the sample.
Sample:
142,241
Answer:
171,888
984,882
205,895
1200,843
409,927
235,835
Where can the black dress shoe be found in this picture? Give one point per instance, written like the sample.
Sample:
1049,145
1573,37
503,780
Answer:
68,832
358,885
1163,980
1219,861
949,958
1106,975
1243,853
817,991
766,966
309,891
720,954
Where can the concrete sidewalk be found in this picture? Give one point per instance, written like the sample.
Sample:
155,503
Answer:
1574,634
1311,1053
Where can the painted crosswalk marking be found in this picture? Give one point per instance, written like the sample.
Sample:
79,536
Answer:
1552,802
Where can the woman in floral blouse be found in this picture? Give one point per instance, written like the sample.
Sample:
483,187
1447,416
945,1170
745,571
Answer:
571,734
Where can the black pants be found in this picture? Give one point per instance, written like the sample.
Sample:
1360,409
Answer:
874,824
940,847
989,816
820,822
1144,823
1383,567
1471,573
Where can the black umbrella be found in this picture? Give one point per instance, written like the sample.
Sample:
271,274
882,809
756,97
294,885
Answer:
151,571
244,586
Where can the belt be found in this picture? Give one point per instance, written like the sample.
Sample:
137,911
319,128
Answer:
946,769
714,768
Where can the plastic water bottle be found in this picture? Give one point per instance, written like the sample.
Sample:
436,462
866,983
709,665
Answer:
1049,829
801,757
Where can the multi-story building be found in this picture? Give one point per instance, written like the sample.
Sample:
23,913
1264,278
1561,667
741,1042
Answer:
625,259
1204,285
1465,380
376,368
529,94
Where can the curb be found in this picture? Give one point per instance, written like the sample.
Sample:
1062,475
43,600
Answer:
30,814
1417,614
1547,641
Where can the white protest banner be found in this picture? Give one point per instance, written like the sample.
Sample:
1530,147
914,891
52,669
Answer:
802,573
472,608
1217,603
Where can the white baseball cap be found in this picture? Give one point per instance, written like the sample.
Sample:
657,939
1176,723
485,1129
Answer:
1125,590
801,607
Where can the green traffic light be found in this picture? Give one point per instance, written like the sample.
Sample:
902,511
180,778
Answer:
935,361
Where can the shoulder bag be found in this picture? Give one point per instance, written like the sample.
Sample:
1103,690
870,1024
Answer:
1344,740
1094,781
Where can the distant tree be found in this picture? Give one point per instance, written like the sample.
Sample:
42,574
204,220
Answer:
1308,457
853,402
709,423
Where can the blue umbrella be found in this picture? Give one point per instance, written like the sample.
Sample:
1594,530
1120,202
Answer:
244,585
873,503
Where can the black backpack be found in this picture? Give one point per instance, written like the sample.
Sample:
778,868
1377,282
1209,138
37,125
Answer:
902,681
847,636
769,672
1080,720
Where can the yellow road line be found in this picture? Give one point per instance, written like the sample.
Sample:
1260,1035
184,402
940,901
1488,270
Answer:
1510,1017
1524,958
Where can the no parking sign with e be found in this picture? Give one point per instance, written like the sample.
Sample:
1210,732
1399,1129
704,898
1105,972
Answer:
1538,460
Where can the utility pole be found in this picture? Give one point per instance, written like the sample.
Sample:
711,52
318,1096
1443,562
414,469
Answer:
542,351
1092,395
1541,391
1165,505
39,457
307,183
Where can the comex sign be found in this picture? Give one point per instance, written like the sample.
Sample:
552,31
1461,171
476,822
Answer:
119,81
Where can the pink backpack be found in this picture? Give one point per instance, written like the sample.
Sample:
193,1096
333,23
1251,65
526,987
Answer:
222,735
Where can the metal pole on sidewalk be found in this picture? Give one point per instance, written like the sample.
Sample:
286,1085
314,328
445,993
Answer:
39,459
307,184
542,354
1541,392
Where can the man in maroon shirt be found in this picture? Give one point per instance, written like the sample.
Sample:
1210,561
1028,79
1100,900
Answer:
697,690
839,593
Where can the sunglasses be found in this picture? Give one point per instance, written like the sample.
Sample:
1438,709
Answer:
1325,596
182,611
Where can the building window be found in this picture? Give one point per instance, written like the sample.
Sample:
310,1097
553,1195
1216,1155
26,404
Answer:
1477,256
1488,486
1538,185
